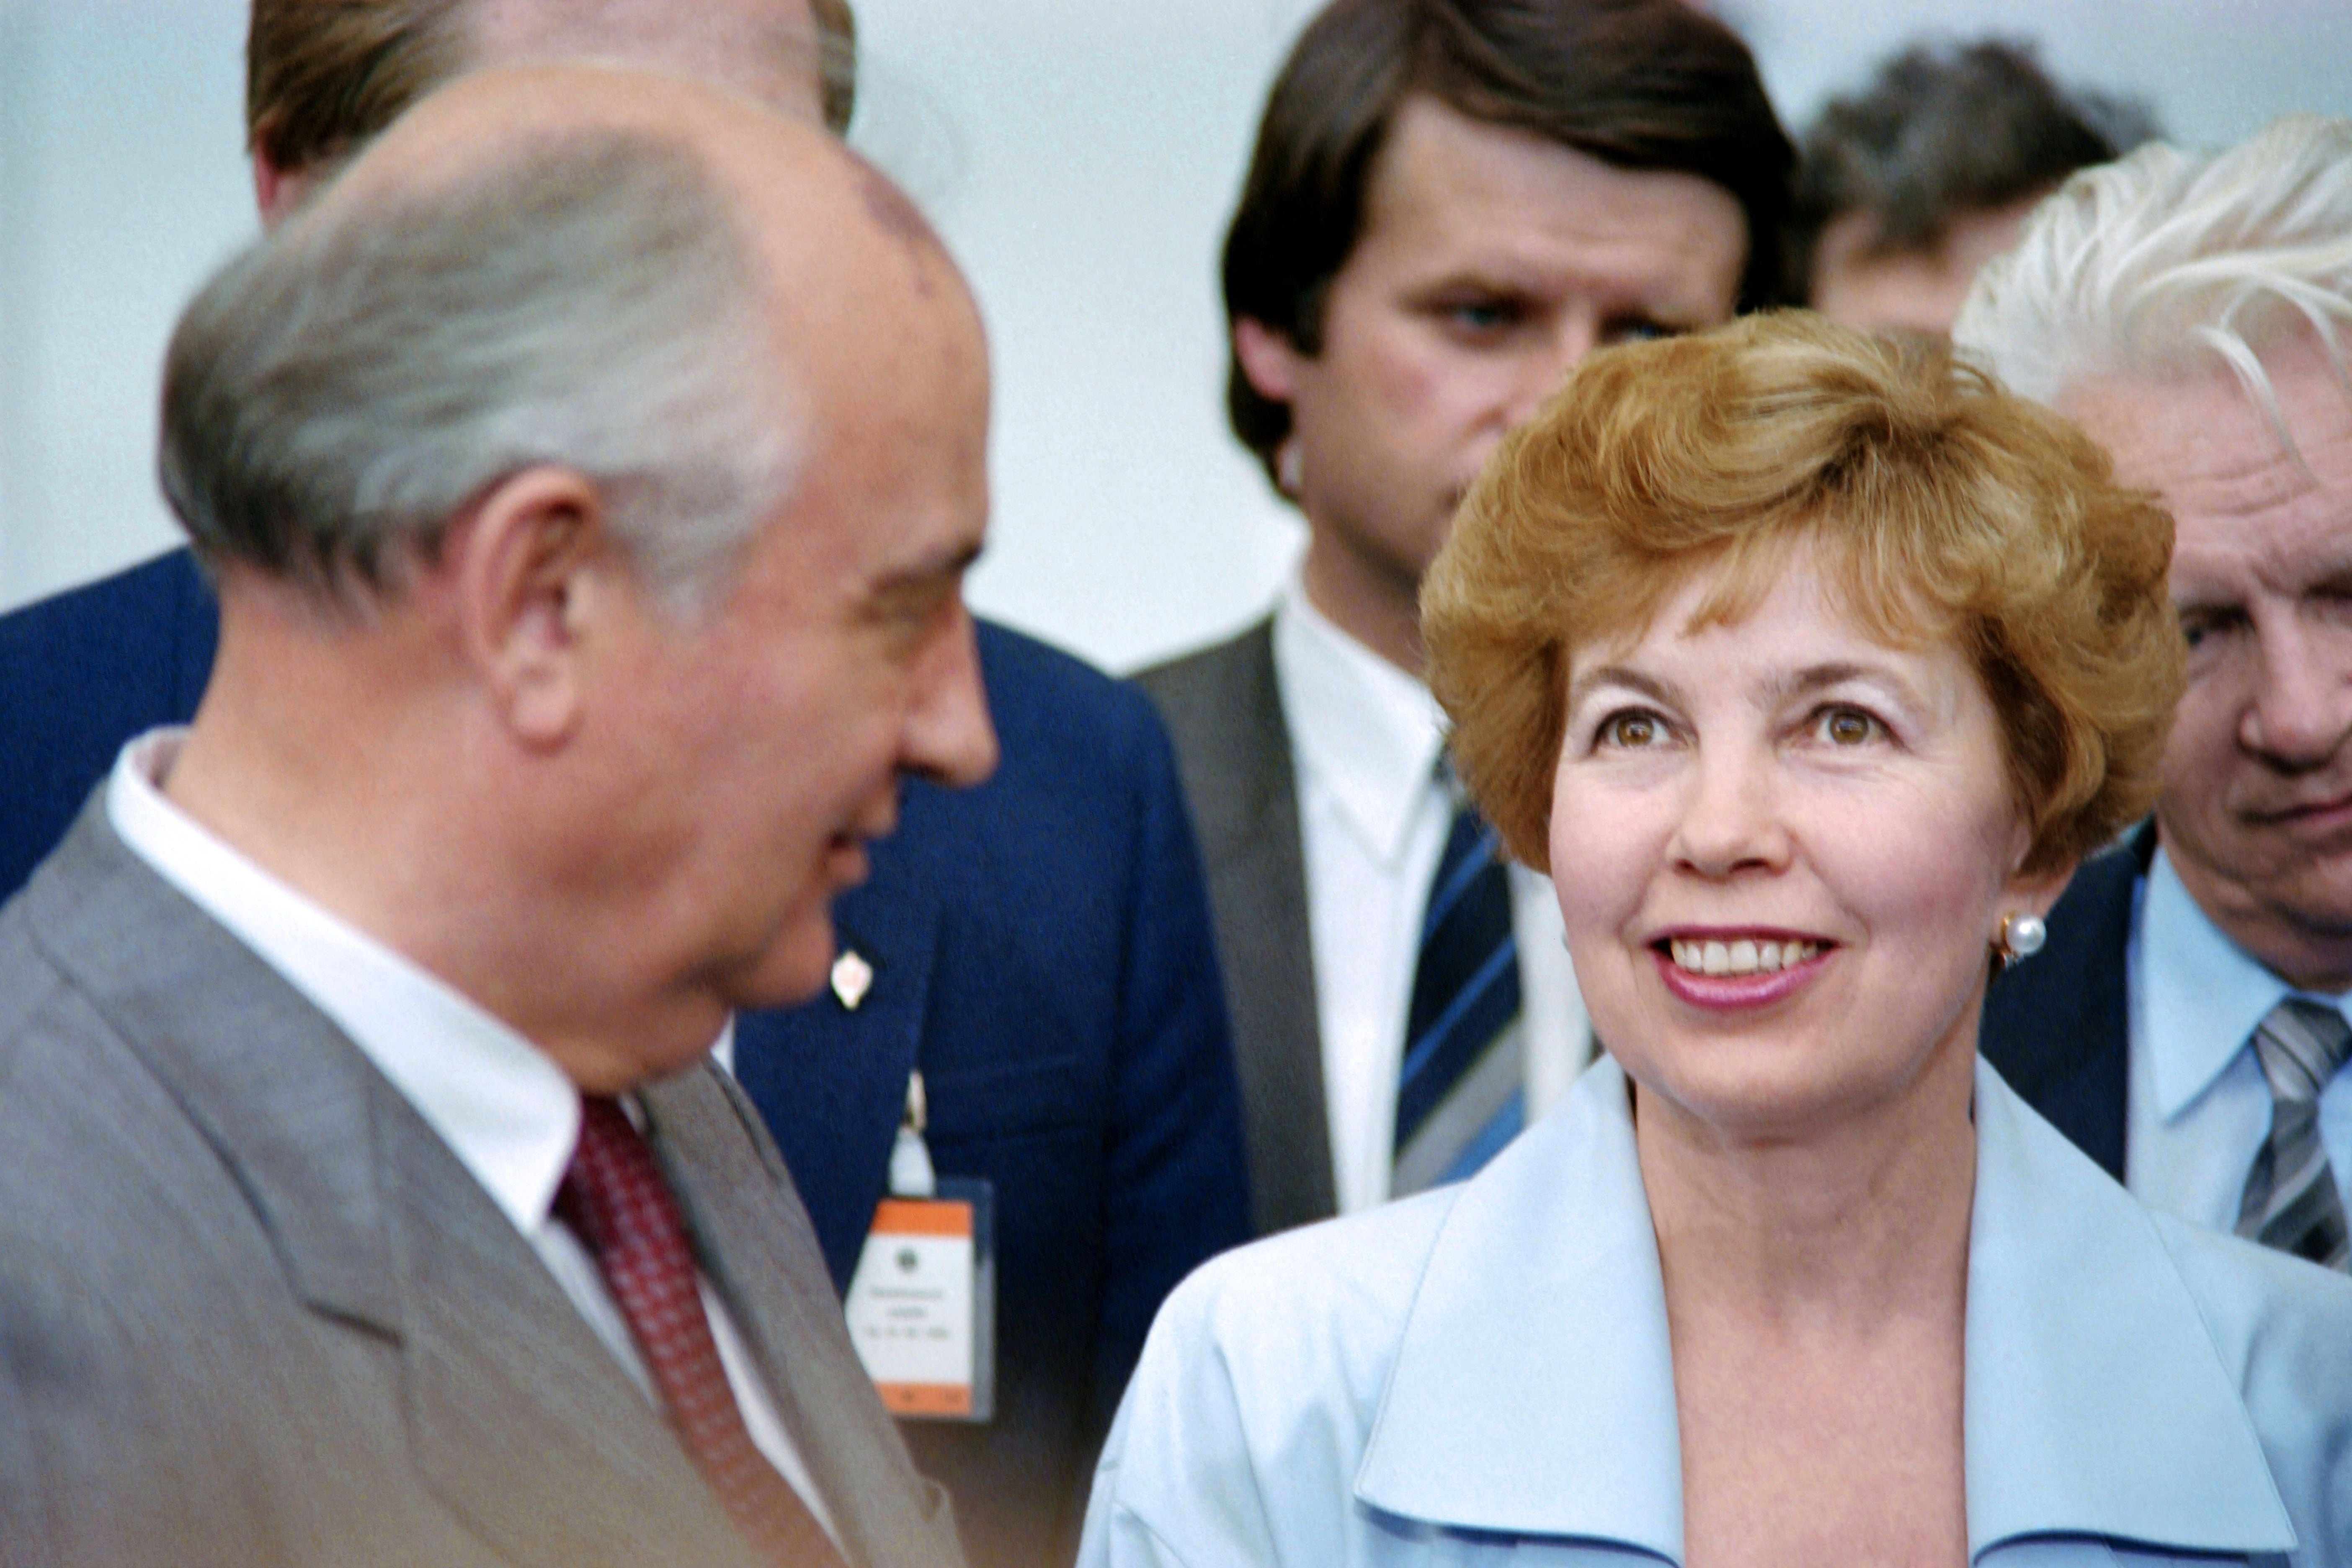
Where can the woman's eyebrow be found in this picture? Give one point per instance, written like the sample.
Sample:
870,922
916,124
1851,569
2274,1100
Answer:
1584,686
1816,678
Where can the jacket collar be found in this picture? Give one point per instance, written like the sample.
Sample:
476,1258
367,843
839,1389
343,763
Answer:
2096,1402
221,1031
378,1226
1533,1390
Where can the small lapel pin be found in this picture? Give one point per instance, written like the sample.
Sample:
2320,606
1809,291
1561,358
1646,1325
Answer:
852,977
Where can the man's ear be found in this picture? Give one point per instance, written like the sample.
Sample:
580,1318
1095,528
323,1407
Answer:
529,567
277,189
1269,360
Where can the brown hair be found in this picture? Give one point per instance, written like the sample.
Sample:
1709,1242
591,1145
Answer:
1944,130
322,78
1946,508
1644,85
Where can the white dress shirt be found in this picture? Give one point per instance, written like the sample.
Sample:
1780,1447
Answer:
2198,1107
1364,743
1483,1375
503,1106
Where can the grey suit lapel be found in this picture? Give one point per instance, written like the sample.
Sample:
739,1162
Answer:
268,1083
517,1418
1223,710
753,1241
521,1420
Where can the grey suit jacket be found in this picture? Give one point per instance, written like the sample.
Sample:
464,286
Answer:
1223,710
253,1311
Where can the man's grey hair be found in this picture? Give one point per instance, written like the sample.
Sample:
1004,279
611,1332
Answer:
338,393
2170,261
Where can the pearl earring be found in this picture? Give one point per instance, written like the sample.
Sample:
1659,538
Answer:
2022,936
1287,465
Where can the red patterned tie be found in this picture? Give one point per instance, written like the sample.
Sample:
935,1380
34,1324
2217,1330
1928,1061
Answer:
615,1199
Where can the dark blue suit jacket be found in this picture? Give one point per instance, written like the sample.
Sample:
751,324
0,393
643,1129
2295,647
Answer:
2058,1024
1042,949
80,674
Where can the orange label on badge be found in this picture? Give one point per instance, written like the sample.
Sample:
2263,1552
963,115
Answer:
924,1398
921,1216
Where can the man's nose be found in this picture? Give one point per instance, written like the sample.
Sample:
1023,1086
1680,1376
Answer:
2302,708
949,736
1548,362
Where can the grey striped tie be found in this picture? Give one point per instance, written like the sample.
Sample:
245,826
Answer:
2292,1202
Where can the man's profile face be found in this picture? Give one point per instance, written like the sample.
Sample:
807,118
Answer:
764,743
2256,808
1491,261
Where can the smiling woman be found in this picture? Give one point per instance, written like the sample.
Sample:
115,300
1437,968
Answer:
1809,664
1791,845
1798,645
1932,509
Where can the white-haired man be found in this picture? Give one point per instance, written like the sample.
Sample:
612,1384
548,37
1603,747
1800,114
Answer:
2186,1024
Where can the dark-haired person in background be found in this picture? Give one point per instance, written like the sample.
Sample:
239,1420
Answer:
1451,202
1911,185
1039,947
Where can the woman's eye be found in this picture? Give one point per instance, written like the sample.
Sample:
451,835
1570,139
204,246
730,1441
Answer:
1632,729
1847,727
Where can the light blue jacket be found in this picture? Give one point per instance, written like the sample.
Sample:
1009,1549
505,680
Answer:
1481,1375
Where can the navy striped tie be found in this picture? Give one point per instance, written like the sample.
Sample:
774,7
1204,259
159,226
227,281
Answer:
1461,1096
2291,1200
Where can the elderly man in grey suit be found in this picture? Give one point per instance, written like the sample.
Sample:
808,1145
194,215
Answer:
589,476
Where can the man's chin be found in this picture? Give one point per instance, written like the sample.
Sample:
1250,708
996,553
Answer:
2315,898
796,966
2286,903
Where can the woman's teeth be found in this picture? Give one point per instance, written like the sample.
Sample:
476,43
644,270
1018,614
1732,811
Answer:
1742,957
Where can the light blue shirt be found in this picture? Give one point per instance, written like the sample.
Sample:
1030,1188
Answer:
2198,1107
1481,1374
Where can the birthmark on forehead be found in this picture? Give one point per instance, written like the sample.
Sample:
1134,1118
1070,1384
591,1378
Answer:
898,217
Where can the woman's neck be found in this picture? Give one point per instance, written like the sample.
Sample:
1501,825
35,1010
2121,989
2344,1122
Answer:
1816,1301
1828,1228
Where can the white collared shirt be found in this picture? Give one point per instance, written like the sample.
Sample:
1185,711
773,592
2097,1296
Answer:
1372,818
503,1106
2198,1107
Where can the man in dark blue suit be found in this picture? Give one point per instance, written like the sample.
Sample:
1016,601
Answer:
1039,947
1041,950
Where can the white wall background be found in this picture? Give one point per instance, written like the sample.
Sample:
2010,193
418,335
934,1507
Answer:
1080,156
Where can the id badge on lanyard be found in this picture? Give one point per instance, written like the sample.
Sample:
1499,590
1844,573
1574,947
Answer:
922,1305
